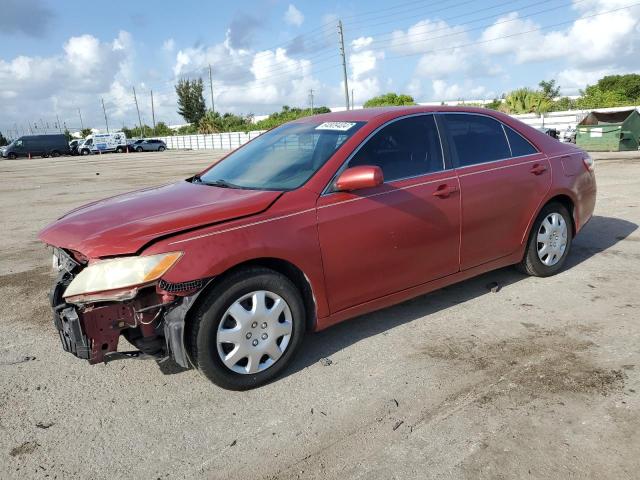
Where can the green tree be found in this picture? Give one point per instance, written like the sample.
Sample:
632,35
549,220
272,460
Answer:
3,140
67,134
562,104
287,114
595,97
162,130
389,99
191,103
626,85
526,100
494,104
549,89
86,132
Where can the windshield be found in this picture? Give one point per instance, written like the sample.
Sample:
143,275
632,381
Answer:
283,158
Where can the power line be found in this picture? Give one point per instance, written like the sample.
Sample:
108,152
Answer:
388,43
388,33
471,44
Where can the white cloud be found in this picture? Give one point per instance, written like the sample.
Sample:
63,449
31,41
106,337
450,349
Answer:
443,91
169,45
293,16
608,38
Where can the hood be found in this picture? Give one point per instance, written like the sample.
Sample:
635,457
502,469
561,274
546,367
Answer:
123,224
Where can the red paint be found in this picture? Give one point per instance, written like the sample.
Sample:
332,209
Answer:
357,178
360,250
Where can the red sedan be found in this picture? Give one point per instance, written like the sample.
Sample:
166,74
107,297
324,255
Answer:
312,223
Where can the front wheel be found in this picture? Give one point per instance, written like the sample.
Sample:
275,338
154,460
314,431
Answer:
549,242
248,329
161,149
12,156
139,149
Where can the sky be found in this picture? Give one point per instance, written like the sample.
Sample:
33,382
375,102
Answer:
60,59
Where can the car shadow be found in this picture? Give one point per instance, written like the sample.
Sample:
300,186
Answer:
600,234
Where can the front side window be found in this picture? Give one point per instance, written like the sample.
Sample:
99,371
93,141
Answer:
283,158
475,139
405,148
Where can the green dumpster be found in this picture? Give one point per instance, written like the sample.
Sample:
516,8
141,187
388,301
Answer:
609,131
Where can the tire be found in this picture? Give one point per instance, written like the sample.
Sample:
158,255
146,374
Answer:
45,155
12,156
139,149
119,150
213,316
544,262
161,149
55,153
84,152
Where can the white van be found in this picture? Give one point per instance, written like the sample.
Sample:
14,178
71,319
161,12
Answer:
104,142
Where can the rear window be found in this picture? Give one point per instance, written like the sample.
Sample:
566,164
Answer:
519,145
476,139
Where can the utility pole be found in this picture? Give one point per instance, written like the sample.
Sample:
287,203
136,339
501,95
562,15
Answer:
104,110
213,109
30,129
153,114
352,101
139,120
81,124
344,63
59,126
311,98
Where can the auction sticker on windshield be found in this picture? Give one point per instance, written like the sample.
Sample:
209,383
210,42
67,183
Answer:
339,126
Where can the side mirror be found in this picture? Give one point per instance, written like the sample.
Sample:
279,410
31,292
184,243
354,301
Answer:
357,178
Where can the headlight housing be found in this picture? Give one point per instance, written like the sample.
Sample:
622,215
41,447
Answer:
118,274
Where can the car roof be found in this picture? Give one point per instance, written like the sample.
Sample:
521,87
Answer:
368,114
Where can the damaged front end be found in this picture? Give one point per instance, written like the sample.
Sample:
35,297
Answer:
150,316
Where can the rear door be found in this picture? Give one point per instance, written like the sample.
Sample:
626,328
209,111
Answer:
503,179
404,233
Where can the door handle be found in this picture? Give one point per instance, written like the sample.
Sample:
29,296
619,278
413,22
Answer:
538,169
445,190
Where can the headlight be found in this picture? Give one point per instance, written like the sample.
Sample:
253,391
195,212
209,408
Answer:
120,273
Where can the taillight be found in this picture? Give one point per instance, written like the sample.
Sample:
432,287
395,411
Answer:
589,163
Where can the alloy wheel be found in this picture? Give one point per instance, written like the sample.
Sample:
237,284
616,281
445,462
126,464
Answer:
254,332
552,239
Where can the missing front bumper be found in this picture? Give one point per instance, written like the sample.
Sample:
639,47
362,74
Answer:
92,332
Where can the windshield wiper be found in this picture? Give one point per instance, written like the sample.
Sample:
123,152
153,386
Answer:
217,183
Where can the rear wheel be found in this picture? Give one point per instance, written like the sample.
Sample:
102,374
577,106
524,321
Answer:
161,149
55,153
12,156
549,241
45,155
248,329
120,150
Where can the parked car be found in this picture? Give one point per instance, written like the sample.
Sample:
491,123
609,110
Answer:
109,142
85,147
148,145
552,132
37,146
568,135
314,222
74,144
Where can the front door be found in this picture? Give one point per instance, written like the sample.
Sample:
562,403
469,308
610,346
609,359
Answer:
503,179
404,233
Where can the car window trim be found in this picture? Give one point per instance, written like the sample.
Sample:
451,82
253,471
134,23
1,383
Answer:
455,161
327,190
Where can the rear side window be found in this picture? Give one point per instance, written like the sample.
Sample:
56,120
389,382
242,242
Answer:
408,147
475,139
519,145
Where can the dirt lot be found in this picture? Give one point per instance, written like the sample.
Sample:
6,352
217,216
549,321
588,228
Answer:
538,380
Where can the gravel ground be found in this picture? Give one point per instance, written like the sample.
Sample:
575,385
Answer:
540,379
